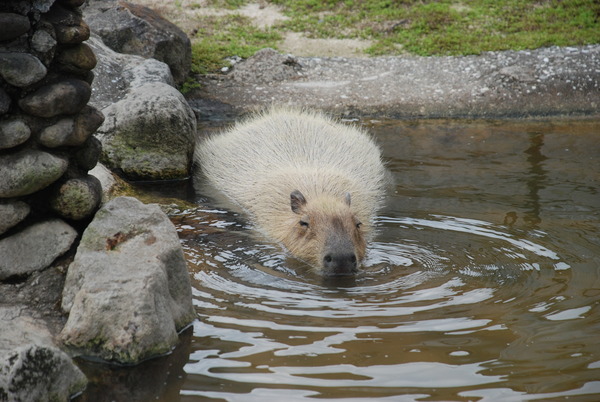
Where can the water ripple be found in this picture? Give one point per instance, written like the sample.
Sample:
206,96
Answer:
268,320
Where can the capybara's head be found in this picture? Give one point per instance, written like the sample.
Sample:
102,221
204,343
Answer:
326,233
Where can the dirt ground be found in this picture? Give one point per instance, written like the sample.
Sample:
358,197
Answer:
184,13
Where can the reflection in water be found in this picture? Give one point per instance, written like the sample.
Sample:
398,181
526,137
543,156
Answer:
161,377
536,177
458,299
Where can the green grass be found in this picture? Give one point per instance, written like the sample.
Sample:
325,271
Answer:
418,27
446,27
221,37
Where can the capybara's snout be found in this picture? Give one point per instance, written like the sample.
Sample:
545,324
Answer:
340,264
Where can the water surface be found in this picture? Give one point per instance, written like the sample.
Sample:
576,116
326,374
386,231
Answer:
483,283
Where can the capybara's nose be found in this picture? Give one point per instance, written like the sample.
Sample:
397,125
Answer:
340,264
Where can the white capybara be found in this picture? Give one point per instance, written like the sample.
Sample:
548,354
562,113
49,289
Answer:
307,181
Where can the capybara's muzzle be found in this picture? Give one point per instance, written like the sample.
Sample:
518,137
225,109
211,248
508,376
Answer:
340,264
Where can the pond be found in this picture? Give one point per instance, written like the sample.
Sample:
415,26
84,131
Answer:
483,283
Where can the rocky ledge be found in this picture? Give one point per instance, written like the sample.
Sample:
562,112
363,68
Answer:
544,82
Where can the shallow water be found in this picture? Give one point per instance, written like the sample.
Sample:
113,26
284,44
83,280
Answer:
483,283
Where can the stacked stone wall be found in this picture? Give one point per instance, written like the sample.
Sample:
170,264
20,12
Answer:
46,127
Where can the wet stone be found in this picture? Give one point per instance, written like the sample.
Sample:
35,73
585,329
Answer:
63,15
21,69
44,42
149,134
35,247
77,198
88,155
13,132
77,58
11,213
127,321
71,35
28,171
26,7
65,97
4,102
72,131
87,122
58,134
69,25
31,367
13,26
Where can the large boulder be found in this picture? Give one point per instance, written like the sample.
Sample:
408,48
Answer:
127,291
31,367
135,29
150,129
115,73
150,134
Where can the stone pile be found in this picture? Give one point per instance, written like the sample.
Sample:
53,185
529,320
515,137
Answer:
46,127
129,257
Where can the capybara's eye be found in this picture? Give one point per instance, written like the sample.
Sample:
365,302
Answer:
304,224
358,225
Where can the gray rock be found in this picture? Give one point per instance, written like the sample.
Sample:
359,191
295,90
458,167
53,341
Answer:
31,367
116,73
68,96
13,132
108,181
43,42
69,35
135,29
4,102
11,213
78,198
28,171
32,6
76,59
58,134
72,131
128,291
68,24
86,123
150,70
265,66
21,69
88,155
13,26
35,247
149,134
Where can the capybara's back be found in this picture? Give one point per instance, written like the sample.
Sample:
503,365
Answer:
307,181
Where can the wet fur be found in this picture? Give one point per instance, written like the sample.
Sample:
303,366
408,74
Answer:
259,162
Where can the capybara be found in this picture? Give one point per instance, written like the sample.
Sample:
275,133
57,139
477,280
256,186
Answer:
307,181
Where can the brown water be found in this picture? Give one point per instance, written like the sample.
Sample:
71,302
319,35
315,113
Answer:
482,284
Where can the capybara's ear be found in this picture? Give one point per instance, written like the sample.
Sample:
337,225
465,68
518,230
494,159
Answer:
347,198
297,201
